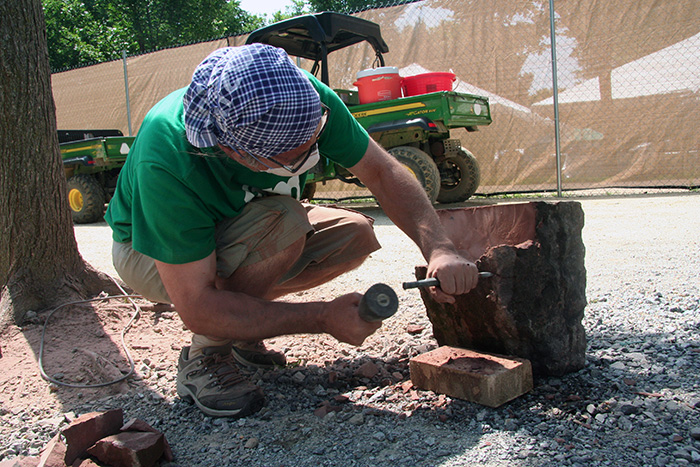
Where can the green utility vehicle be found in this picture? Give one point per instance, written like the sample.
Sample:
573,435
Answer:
92,160
415,130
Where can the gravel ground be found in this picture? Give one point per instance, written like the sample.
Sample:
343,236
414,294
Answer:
636,403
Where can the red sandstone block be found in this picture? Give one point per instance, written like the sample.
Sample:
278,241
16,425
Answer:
129,449
85,430
486,379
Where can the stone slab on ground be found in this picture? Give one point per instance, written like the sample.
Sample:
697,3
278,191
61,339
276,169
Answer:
487,379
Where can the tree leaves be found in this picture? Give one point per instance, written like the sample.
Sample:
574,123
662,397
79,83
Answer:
81,33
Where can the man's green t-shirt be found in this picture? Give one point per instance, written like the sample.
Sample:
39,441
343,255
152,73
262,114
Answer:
170,195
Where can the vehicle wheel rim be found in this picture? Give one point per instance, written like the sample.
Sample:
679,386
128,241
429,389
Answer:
454,170
411,171
75,199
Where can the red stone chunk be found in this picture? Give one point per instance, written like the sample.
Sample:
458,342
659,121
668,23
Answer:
486,379
532,307
136,424
84,463
129,449
367,370
53,454
85,430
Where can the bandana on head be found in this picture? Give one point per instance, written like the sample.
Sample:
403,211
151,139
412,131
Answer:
251,98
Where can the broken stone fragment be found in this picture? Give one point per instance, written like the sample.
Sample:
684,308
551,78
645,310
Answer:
533,305
325,408
136,424
367,370
53,454
129,449
85,430
85,463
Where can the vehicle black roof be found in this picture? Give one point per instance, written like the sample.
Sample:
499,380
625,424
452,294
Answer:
316,35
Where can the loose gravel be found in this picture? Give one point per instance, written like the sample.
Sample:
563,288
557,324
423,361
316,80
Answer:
636,402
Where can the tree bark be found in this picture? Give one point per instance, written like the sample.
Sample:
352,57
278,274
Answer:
40,266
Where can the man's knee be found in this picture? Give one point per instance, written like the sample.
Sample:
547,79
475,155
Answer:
266,228
139,272
360,231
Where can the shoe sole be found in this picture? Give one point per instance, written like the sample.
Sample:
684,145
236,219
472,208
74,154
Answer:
250,408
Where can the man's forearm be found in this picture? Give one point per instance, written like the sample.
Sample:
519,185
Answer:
404,201
208,307
234,315
420,222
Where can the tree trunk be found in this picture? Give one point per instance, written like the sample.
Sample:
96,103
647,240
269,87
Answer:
40,266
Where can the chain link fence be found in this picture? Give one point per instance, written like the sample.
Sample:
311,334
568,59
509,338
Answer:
624,113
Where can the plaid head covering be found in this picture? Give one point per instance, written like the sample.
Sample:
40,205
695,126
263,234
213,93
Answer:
251,98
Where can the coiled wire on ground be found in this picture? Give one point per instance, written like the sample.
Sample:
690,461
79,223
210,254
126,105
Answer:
123,333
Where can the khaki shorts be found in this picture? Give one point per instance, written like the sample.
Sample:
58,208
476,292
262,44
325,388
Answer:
265,227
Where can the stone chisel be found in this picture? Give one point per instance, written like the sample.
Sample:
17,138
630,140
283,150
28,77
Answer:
433,282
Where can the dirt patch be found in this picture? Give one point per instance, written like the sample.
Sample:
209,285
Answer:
82,345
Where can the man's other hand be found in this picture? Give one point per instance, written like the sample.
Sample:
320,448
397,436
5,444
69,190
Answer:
341,319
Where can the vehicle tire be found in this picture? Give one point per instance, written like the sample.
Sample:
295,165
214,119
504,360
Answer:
421,166
459,177
86,199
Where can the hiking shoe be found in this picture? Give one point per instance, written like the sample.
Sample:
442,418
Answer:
215,384
256,354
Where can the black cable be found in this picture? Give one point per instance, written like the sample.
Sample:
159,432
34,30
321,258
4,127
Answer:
126,350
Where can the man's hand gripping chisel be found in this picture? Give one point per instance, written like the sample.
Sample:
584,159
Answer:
433,282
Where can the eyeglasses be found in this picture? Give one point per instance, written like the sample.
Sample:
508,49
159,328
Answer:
301,160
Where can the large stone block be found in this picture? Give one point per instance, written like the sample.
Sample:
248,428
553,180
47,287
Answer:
533,305
486,379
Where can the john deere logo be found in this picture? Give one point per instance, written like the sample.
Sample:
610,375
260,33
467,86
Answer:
385,110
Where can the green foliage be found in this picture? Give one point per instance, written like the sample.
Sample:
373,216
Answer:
298,7
80,33
350,6
75,36
83,32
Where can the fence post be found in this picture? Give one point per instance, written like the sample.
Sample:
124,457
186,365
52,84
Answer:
126,89
555,96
